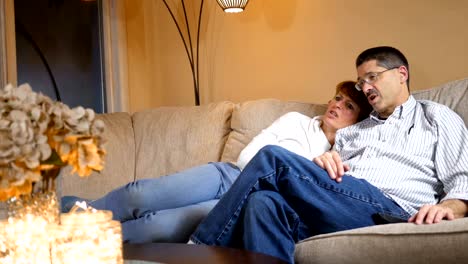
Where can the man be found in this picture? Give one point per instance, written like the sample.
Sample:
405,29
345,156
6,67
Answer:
408,160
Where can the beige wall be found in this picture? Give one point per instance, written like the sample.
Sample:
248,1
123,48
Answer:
291,50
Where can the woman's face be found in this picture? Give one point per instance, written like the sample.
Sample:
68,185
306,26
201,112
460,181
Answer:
341,112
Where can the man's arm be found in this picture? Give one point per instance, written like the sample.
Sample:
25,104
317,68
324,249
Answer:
448,209
451,164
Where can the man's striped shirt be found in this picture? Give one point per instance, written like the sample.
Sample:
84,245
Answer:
417,156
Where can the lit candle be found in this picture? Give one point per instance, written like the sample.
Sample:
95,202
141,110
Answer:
88,237
25,240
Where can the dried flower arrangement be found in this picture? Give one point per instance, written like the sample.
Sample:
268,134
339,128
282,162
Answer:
39,136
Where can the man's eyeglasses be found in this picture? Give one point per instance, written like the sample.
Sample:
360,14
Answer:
370,78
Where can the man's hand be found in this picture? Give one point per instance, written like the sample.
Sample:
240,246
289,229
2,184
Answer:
431,214
331,162
448,209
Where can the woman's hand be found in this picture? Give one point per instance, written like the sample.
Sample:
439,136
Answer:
331,162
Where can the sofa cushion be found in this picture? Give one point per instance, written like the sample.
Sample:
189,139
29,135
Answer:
393,243
170,139
249,118
118,168
453,94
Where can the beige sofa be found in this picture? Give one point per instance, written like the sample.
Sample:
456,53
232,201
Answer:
169,139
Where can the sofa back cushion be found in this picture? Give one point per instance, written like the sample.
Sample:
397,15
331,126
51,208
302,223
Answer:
119,167
249,118
453,94
170,139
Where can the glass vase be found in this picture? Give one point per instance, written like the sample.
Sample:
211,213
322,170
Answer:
43,204
26,235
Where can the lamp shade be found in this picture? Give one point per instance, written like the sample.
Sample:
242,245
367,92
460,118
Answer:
232,6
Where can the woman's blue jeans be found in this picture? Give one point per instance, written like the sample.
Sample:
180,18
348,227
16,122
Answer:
169,208
281,198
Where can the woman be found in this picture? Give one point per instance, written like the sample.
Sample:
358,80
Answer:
168,209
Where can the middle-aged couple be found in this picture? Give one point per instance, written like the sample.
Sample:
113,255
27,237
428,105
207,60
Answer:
408,159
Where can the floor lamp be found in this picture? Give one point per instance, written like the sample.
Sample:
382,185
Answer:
229,6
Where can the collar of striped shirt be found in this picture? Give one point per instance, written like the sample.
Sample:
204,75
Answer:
400,112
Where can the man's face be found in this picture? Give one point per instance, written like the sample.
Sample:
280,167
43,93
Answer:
388,91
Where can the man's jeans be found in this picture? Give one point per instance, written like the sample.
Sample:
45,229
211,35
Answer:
281,198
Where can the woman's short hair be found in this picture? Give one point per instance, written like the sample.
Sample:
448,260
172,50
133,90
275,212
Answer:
348,88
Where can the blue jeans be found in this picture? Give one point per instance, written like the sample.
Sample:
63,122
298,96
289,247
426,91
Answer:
281,198
169,208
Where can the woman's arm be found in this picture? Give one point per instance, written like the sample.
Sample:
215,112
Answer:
284,125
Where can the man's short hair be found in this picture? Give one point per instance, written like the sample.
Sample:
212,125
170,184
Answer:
387,57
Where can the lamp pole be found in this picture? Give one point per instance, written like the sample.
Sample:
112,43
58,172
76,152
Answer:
194,62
